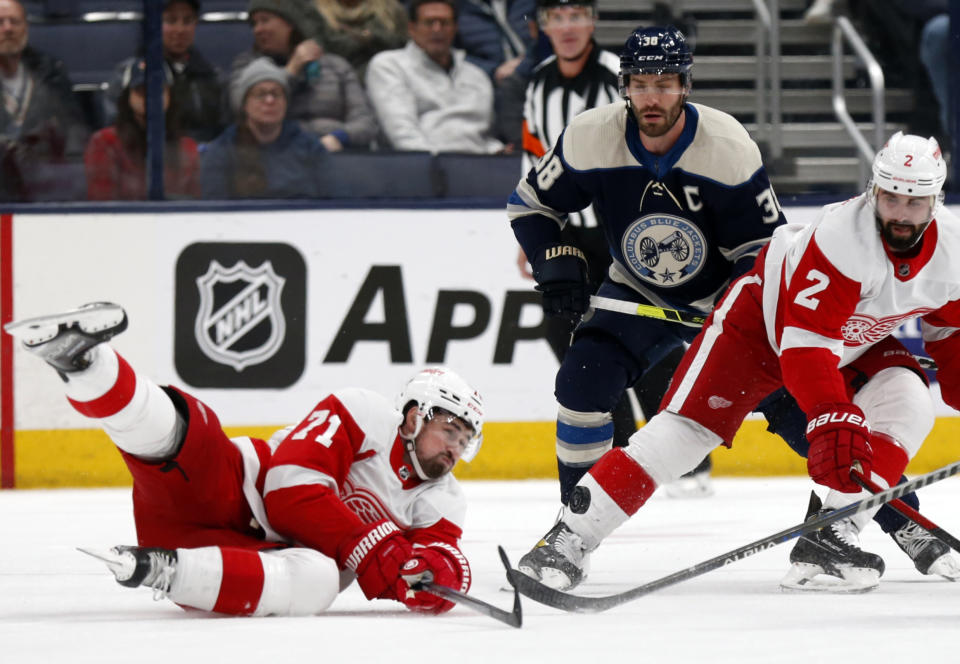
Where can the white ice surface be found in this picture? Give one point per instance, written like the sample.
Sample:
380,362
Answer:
57,605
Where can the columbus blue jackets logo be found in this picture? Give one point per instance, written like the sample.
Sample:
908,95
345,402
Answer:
240,315
240,321
663,249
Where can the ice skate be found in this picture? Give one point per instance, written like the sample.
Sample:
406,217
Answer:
834,551
135,566
63,339
559,560
929,555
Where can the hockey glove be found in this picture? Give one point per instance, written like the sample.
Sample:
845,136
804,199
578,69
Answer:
839,437
561,274
377,555
438,567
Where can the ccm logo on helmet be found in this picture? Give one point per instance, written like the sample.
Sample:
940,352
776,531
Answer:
850,418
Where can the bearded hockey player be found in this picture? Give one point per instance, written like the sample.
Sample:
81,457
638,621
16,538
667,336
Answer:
820,298
360,488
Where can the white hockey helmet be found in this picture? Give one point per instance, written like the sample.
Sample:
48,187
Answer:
442,388
910,165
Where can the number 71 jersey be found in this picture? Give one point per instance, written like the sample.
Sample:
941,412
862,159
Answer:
350,445
675,223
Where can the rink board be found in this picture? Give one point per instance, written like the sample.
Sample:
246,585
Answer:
260,313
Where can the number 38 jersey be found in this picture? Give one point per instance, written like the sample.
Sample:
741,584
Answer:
676,224
343,466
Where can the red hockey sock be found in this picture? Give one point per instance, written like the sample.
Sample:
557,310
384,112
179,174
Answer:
624,480
242,582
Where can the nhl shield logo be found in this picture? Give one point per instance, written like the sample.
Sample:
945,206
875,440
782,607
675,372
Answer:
240,322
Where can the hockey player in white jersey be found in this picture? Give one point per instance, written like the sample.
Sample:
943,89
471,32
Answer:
360,488
819,299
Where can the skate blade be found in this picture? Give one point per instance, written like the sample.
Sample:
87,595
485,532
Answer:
548,576
100,554
945,566
33,331
804,577
113,560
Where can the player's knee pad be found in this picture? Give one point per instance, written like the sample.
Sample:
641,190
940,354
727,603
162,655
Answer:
670,445
594,374
898,404
297,582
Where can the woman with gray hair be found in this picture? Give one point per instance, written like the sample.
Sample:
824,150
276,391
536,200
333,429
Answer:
263,155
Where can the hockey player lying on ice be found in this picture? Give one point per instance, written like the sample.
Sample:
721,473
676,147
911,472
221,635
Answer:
818,298
250,527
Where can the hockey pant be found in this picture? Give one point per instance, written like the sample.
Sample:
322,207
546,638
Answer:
728,370
197,491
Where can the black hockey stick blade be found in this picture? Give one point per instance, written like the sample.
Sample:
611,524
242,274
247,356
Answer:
910,513
513,618
538,592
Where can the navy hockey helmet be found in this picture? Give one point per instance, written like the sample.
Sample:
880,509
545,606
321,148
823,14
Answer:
655,50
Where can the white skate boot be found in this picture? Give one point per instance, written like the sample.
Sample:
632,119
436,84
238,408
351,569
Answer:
63,339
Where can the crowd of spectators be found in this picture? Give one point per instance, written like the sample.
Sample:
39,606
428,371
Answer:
431,76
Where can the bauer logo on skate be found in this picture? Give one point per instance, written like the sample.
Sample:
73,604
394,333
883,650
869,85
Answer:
663,249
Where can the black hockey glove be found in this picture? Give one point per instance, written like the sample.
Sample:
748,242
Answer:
561,274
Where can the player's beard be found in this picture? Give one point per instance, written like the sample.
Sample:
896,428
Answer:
434,467
899,242
670,116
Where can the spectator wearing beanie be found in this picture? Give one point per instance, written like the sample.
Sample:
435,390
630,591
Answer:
197,84
326,96
263,155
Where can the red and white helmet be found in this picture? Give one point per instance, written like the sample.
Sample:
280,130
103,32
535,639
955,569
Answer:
442,388
910,165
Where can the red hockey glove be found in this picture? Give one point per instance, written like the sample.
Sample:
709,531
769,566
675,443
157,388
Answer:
377,556
839,437
428,564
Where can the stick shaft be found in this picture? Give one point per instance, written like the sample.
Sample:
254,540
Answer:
567,602
910,513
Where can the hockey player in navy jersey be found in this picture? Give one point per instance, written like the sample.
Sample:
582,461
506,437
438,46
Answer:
579,76
820,299
361,488
685,205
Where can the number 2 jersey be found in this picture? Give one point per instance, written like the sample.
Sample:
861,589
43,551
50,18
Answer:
676,224
832,289
342,469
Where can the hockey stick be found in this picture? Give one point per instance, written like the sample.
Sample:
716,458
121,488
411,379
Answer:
513,618
909,512
684,318
647,311
538,592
